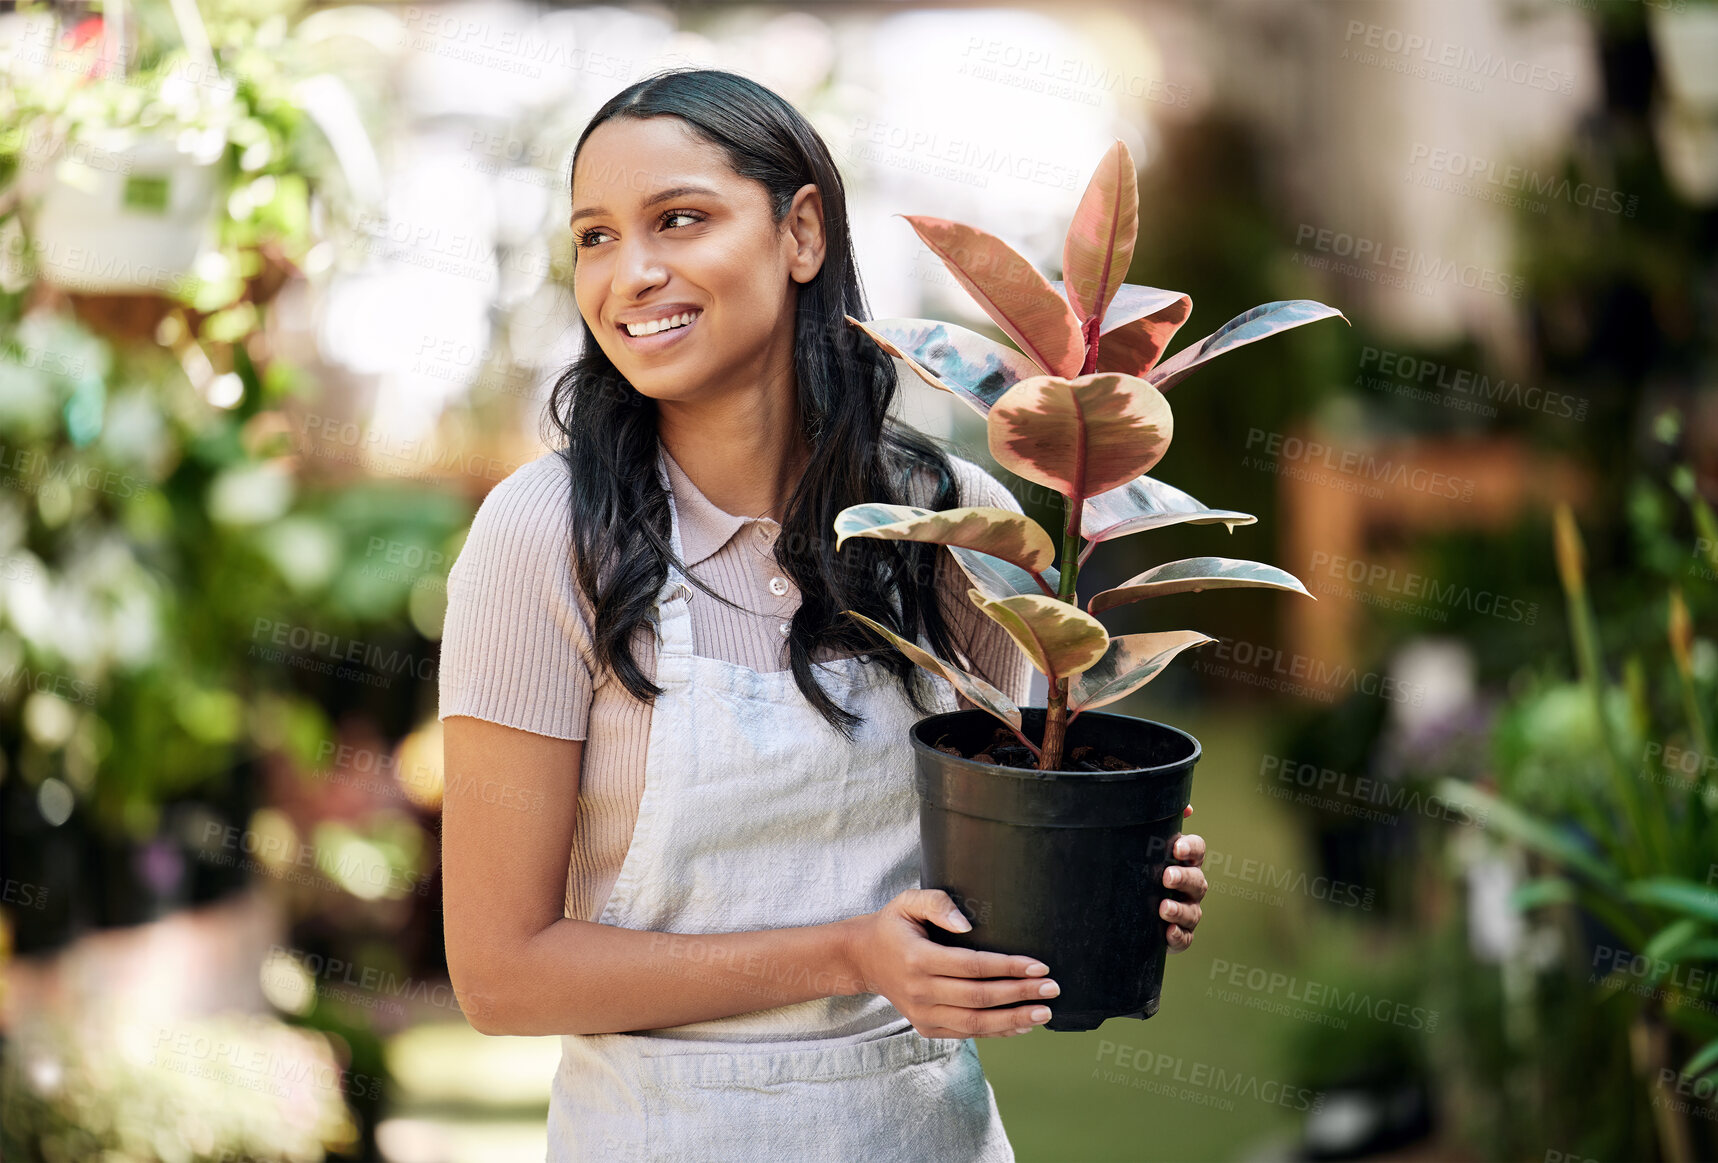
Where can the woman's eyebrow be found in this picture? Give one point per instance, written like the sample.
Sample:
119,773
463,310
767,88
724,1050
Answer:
660,196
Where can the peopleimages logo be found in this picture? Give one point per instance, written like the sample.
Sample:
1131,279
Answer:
1462,385
1414,264
1409,584
1269,985
271,639
1224,871
33,470
1363,796
1199,1082
1520,179
1363,466
959,158
1294,673
1459,60
1657,972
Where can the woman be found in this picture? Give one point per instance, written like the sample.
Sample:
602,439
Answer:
644,665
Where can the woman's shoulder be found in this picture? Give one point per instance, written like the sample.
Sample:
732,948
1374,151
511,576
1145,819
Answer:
523,525
515,640
518,491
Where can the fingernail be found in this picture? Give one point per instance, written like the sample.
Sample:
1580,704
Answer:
959,923
1037,969
1040,1014
1172,876
1049,989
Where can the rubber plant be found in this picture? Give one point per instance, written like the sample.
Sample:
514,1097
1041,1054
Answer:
1079,408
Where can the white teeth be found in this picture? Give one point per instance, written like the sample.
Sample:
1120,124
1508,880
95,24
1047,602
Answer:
656,325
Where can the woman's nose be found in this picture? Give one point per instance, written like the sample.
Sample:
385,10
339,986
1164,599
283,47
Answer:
638,269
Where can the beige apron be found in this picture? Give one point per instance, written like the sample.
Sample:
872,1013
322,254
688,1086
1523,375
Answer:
757,814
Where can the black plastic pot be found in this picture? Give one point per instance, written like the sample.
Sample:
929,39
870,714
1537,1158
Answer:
1063,866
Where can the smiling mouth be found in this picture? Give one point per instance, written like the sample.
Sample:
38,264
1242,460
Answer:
655,327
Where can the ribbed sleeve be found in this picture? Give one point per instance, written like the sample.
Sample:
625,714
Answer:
515,645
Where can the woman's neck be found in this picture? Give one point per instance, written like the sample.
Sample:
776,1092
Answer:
743,467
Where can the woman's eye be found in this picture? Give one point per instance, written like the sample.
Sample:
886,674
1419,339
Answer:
584,238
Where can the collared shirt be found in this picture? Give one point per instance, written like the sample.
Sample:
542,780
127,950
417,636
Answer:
516,642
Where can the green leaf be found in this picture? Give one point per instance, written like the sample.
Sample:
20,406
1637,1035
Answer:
1668,943
1500,815
1704,1059
1677,894
1546,890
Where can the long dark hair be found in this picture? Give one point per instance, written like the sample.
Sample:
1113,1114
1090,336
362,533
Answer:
845,387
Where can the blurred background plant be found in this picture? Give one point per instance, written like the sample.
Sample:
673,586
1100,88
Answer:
189,609
1605,788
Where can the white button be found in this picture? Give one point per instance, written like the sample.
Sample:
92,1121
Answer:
786,628
778,585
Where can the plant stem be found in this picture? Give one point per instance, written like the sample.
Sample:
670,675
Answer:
1646,844
1056,706
1649,1047
1055,727
1682,653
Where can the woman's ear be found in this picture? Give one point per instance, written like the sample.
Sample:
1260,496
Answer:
805,223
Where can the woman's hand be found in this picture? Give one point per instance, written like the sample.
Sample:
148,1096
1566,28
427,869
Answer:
1187,880
938,988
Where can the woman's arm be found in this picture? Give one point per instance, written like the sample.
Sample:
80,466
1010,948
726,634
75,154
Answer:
519,966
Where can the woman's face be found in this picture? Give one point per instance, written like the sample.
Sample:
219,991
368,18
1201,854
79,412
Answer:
665,229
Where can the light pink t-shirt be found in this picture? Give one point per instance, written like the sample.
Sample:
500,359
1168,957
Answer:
516,644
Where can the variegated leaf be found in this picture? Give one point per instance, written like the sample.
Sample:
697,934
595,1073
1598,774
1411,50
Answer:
998,578
970,366
1059,637
1192,574
1131,661
1080,436
975,689
1011,290
1001,533
1134,349
1145,503
1262,321
1133,301
1099,245
1138,326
